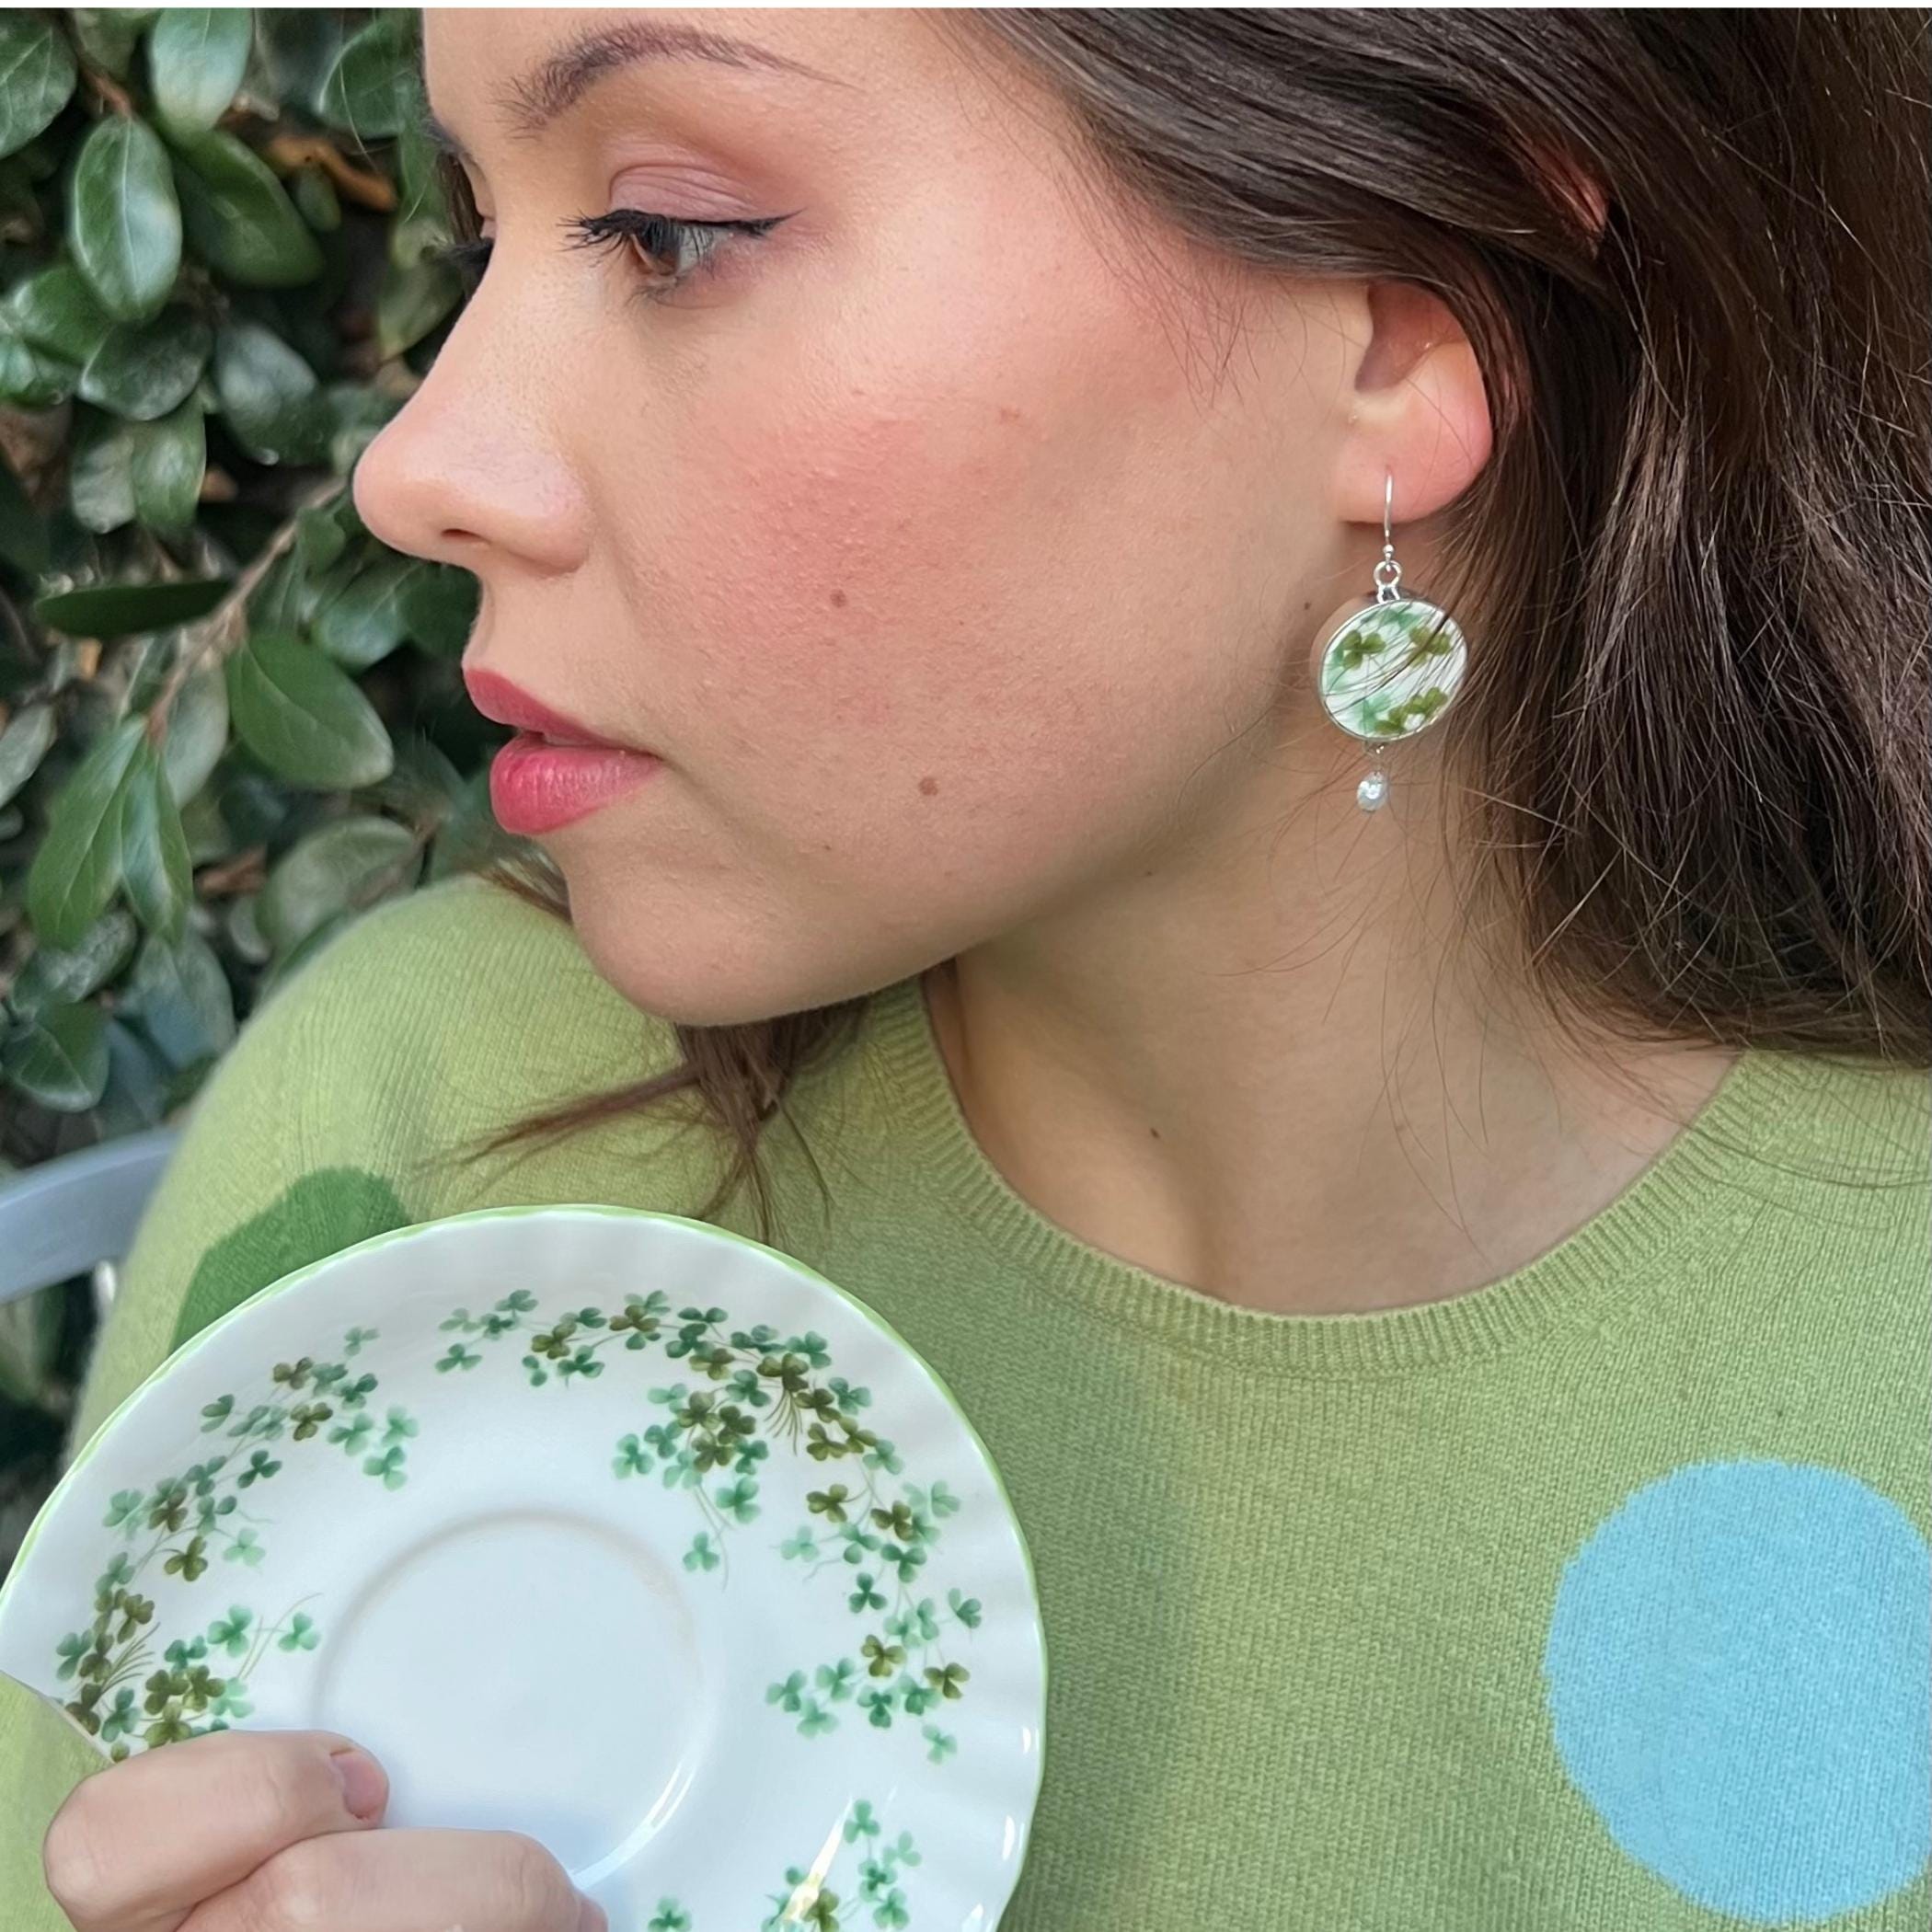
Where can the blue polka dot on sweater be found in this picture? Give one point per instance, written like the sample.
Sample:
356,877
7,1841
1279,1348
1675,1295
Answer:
1738,1681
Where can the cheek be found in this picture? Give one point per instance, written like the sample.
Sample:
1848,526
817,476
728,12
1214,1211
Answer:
931,629
898,632
858,605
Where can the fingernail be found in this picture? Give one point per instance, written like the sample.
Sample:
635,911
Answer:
364,1789
591,1918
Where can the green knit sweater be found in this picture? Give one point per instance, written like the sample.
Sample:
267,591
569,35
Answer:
1594,1600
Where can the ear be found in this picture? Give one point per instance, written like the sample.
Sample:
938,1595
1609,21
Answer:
1418,412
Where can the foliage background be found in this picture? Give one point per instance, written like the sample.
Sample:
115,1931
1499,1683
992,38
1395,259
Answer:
231,721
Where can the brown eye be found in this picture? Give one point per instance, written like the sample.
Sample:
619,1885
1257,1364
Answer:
670,252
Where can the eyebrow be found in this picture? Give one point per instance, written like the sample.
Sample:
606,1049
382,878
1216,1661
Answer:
558,83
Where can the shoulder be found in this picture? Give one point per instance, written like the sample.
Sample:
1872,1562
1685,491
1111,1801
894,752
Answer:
459,940
1823,1277
440,1019
455,999
353,1098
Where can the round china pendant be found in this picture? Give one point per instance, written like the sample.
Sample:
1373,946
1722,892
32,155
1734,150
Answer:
1388,670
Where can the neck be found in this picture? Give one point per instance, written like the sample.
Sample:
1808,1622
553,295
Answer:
1275,1069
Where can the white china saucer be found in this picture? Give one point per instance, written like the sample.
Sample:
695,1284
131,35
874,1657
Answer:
602,1525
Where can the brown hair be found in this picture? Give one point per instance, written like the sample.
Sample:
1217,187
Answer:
1690,252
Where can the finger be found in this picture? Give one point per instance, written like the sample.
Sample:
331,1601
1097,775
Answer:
136,1846
399,1881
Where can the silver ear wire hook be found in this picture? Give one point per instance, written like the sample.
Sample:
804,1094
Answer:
1389,572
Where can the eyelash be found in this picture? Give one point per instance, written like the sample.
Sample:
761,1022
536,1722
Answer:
646,236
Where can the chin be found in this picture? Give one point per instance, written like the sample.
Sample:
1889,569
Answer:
664,965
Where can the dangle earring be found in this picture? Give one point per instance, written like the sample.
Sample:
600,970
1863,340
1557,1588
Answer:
1387,669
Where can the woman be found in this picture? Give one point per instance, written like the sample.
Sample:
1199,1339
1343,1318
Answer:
1443,1281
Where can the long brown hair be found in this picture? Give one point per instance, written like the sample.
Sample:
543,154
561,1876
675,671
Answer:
1694,721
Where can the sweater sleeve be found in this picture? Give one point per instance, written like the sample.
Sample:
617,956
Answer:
241,1201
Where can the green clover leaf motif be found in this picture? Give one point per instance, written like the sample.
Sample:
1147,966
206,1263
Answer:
189,1563
353,1436
300,1634
122,1719
233,1632
736,1501
835,1680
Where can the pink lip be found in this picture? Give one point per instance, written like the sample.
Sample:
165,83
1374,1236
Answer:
535,788
501,698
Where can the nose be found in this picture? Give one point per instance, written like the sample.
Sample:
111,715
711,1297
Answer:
471,470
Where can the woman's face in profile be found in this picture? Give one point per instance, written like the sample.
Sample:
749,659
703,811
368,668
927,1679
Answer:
947,538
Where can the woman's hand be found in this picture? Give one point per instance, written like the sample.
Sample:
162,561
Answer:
271,1830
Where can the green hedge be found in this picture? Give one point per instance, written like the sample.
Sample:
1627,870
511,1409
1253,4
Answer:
232,720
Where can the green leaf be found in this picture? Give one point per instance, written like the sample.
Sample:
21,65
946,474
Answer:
196,57
23,534
298,49
238,217
120,610
124,221
56,310
29,733
78,865
144,369
343,866
197,732
59,975
412,302
100,478
358,412
371,93
365,622
60,1058
137,1096
154,865
180,995
30,1329
269,394
109,35
169,460
36,76
424,206
30,378
278,601
303,717
314,195
319,538
439,606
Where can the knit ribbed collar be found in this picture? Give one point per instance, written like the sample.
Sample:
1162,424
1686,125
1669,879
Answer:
1703,1184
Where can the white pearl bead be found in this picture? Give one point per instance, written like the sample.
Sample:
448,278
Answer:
1373,790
